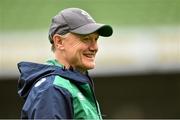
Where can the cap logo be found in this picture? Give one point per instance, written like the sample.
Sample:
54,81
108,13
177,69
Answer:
87,15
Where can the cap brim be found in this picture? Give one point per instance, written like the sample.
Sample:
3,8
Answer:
101,29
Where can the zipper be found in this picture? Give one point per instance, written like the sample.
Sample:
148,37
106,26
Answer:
94,96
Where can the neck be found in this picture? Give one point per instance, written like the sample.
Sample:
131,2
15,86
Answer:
59,57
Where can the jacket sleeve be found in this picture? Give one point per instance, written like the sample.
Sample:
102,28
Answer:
52,103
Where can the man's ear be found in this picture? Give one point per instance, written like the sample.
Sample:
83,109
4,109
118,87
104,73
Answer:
58,42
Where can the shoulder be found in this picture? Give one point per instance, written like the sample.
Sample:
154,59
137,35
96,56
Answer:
55,100
46,89
50,84
54,82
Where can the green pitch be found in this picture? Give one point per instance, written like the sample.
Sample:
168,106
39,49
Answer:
36,14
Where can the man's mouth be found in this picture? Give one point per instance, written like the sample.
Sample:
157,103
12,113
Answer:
89,55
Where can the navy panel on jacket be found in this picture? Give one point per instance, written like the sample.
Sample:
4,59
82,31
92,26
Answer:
41,104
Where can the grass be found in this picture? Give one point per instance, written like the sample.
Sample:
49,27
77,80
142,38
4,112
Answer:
37,14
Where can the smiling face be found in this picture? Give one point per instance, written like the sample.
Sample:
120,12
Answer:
79,51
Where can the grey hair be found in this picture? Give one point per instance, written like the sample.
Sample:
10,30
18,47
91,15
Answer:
53,45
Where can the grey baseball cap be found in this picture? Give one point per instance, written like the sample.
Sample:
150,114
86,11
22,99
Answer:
77,21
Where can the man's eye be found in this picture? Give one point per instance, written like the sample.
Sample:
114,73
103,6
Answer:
86,38
96,38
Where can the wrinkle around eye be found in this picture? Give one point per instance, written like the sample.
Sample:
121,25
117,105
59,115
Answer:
77,43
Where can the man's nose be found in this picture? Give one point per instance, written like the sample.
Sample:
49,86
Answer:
94,46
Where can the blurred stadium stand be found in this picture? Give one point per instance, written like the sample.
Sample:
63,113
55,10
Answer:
138,68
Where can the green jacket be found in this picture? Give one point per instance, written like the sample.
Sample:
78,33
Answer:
51,92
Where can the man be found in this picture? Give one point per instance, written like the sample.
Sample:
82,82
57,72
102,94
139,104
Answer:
62,89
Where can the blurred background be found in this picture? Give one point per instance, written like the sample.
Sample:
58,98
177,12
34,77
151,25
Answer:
138,69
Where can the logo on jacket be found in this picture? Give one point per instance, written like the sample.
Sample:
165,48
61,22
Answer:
40,82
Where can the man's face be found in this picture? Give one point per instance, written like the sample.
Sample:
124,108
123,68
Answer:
80,51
